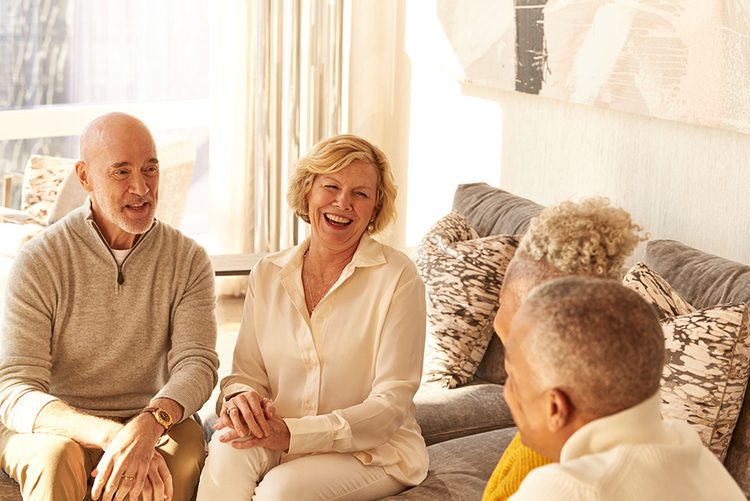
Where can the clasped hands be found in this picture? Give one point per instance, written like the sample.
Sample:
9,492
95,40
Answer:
252,421
131,467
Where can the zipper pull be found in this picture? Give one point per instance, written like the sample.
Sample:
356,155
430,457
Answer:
120,277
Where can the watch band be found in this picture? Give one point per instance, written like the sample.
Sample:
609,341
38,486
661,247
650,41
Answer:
162,417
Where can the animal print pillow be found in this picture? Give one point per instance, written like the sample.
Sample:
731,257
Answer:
462,275
654,289
705,375
708,359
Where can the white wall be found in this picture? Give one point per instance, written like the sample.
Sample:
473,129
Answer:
679,181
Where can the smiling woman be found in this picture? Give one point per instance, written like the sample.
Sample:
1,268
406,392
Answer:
344,312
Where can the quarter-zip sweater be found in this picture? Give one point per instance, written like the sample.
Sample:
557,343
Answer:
102,337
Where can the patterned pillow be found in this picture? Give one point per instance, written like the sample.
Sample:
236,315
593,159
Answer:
41,184
708,359
462,275
704,379
654,289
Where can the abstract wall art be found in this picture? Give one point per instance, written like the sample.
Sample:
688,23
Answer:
684,60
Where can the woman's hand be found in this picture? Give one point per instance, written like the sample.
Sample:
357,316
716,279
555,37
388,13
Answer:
277,440
245,413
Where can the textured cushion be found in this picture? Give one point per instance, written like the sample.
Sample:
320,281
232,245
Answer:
444,414
462,276
492,211
459,469
701,278
41,183
704,379
71,196
708,359
655,290
704,279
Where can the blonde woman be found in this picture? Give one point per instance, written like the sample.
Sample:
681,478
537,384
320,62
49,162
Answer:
329,354
589,238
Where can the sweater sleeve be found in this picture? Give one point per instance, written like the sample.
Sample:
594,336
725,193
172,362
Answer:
516,462
25,339
192,360
398,369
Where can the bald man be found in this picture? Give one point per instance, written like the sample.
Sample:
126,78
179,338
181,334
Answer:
584,358
109,336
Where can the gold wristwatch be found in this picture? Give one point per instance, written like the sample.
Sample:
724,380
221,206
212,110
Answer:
162,417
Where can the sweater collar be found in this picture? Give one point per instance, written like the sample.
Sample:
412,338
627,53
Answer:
639,424
88,215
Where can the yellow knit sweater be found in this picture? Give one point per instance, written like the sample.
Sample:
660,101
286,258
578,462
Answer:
516,462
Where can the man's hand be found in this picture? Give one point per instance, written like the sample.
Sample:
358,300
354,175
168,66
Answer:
158,485
124,467
278,439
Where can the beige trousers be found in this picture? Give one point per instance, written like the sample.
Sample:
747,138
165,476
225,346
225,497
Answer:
52,467
259,474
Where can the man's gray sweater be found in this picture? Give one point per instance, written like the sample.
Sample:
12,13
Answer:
106,338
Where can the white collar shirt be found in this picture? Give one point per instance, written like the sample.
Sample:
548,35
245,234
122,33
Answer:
344,377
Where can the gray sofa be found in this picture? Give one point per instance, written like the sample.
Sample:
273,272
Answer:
467,428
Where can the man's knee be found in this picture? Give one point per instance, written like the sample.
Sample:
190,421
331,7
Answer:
60,473
185,454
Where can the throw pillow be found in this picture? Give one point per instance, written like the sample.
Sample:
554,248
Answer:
654,289
41,184
704,379
462,275
708,359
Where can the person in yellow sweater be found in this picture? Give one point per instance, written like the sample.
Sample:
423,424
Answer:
590,238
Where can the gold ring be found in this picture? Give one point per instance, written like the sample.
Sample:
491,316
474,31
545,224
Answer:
127,477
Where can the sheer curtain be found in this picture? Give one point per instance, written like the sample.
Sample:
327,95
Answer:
277,88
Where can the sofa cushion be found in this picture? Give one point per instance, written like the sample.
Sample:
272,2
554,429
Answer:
701,278
492,211
42,178
445,414
9,489
704,279
654,289
462,276
492,367
708,359
459,469
705,376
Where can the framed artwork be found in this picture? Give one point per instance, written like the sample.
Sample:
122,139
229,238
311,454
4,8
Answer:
683,60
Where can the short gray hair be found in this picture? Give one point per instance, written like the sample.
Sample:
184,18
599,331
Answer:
596,340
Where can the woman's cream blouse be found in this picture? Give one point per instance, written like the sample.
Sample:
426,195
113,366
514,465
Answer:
344,377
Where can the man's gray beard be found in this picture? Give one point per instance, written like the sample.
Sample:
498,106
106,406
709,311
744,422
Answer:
115,215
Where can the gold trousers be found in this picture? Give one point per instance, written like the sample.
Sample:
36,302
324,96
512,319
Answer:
55,468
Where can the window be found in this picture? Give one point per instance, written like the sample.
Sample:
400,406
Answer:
67,61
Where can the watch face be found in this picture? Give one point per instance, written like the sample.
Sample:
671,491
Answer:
164,416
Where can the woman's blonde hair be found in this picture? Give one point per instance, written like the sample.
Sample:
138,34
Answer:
333,155
586,238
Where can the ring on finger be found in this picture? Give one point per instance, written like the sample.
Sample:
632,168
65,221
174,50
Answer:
229,410
127,477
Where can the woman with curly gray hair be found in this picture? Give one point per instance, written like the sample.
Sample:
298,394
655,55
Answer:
329,354
589,238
